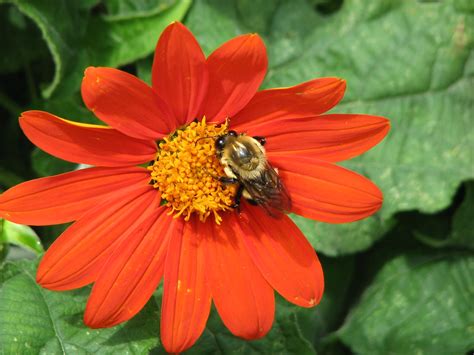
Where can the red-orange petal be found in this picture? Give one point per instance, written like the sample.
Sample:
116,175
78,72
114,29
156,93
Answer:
236,70
283,255
84,143
66,197
133,272
304,100
75,259
186,296
331,138
180,73
327,192
243,298
126,103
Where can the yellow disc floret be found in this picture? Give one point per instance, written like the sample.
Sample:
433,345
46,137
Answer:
186,172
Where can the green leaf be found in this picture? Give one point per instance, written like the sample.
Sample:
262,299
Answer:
3,251
50,233
71,107
60,26
3,245
17,29
343,238
144,69
418,303
8,178
20,235
46,165
125,9
34,320
452,227
406,60
462,232
103,40
451,230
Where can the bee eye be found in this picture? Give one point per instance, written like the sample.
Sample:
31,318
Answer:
220,142
232,133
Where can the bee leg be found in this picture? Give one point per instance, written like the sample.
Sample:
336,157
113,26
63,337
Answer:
252,202
260,139
249,198
238,197
228,180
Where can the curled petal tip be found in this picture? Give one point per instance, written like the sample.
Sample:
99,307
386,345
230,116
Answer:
306,303
89,71
175,25
379,203
256,37
29,114
341,84
313,302
91,74
386,126
333,85
253,39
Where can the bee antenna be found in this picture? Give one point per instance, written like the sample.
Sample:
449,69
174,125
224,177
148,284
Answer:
210,137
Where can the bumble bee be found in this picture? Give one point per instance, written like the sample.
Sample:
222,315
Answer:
245,164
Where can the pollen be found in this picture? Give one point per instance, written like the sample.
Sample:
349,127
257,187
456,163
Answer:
186,171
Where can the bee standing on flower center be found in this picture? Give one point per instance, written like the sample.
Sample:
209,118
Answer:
245,164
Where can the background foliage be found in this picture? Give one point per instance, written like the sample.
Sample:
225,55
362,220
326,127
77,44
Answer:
400,282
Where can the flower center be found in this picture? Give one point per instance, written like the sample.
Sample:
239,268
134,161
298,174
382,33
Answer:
186,172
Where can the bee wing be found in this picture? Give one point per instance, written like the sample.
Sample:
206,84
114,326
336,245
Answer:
269,192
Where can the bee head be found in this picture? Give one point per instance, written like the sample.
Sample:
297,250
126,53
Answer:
222,140
220,143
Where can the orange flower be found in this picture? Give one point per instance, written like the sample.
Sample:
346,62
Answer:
125,238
